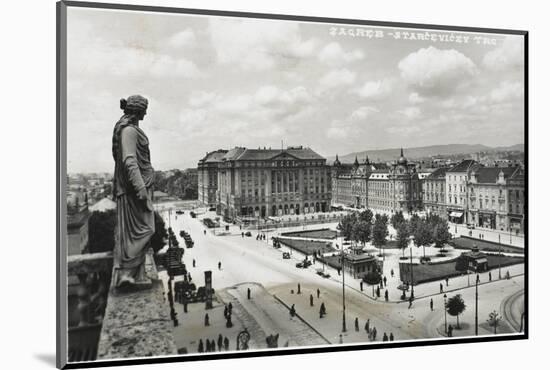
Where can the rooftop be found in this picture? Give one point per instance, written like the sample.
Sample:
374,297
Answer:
244,154
490,174
465,165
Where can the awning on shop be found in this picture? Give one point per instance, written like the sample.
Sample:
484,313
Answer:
456,214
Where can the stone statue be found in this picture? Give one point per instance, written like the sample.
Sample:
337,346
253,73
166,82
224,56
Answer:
132,187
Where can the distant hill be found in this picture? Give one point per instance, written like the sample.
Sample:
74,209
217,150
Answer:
385,155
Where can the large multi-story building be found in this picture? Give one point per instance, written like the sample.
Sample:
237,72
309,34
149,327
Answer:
394,188
258,183
434,192
456,193
496,198
207,172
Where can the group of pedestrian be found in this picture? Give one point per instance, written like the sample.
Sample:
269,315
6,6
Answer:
209,345
385,337
260,236
227,313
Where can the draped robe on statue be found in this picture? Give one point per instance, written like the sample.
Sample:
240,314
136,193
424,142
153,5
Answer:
135,217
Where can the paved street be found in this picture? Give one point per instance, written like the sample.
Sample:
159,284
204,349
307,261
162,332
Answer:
247,262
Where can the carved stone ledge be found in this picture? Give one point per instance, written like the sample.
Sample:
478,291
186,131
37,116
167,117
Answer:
137,324
89,262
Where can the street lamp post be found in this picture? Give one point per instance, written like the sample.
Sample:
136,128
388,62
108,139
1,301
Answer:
499,256
412,279
445,310
477,279
343,293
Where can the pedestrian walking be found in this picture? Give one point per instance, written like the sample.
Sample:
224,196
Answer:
361,285
220,342
219,265
450,330
490,276
477,278
242,234
322,310
230,308
410,302
431,304
292,311
226,343
386,296
391,337
311,300
447,281
225,311
299,291
248,293
385,337
391,272
440,287
201,346
206,320
378,291
356,324
185,306
374,332
204,231
318,292
367,326
385,281
194,262
341,339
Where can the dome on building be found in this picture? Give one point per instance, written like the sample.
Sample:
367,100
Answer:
402,159
337,161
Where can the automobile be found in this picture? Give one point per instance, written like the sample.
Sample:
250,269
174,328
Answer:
471,226
248,233
286,255
304,264
322,273
212,209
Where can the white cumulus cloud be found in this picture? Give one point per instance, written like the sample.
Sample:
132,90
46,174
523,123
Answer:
337,78
509,55
334,54
432,71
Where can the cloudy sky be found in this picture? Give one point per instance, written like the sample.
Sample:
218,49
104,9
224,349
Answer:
215,82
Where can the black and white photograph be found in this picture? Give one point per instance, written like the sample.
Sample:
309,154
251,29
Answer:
252,184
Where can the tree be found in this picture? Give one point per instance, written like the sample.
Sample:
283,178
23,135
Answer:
455,306
366,216
396,219
494,320
415,219
361,231
441,234
101,231
158,240
345,226
422,234
403,236
380,231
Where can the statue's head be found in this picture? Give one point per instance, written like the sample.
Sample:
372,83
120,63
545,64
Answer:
135,105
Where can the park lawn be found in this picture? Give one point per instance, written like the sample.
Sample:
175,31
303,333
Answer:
466,242
314,234
428,272
307,247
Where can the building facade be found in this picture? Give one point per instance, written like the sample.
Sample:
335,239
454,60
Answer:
434,192
258,183
207,173
397,187
456,193
496,198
